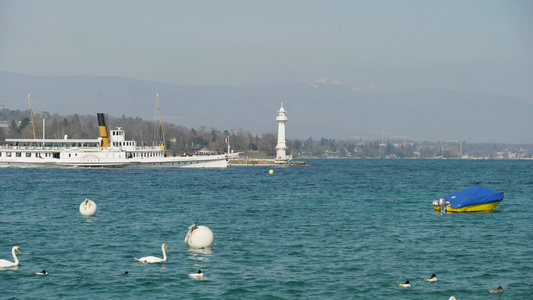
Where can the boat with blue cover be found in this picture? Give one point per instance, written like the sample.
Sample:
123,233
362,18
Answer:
470,199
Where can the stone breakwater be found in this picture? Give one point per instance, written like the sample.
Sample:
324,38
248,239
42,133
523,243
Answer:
265,162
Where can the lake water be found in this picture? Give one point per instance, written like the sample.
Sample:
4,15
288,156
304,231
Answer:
337,229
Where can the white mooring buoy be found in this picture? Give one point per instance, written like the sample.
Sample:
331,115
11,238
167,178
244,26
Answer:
88,207
199,236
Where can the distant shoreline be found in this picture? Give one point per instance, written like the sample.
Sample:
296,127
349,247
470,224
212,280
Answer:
270,162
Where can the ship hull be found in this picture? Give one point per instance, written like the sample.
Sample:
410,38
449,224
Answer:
192,162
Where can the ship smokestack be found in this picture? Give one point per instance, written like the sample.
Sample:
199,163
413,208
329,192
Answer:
103,130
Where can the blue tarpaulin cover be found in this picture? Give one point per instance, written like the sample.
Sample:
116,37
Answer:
473,195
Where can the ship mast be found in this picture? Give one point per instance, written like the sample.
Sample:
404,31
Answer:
161,120
31,113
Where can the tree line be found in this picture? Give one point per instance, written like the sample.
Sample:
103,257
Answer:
179,139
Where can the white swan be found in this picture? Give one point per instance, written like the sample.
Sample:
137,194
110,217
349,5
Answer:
6,263
454,297
196,275
88,207
154,259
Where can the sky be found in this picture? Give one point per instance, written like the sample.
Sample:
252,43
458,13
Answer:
478,46
474,46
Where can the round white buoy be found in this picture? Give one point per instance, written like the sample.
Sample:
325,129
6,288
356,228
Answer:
88,207
271,172
199,236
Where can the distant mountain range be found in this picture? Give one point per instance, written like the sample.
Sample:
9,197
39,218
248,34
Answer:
314,109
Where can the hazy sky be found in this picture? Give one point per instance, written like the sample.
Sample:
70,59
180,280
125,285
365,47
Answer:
481,46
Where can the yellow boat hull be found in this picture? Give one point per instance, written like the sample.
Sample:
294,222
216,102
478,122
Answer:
487,207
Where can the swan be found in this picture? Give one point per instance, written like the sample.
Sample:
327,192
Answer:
6,263
454,297
198,274
495,291
88,207
407,284
154,259
433,278
43,272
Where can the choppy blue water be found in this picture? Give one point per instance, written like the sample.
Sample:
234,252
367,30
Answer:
338,229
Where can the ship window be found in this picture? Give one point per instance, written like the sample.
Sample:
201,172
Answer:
28,154
19,154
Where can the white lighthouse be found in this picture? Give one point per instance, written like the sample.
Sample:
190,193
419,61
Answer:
281,147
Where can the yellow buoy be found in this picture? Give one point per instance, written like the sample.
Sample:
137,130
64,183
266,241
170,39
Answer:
271,172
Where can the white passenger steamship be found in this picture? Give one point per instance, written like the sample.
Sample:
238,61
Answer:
106,151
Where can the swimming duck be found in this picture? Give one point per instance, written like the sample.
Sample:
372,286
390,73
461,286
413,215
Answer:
454,297
433,278
198,274
407,284
154,259
495,291
43,272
